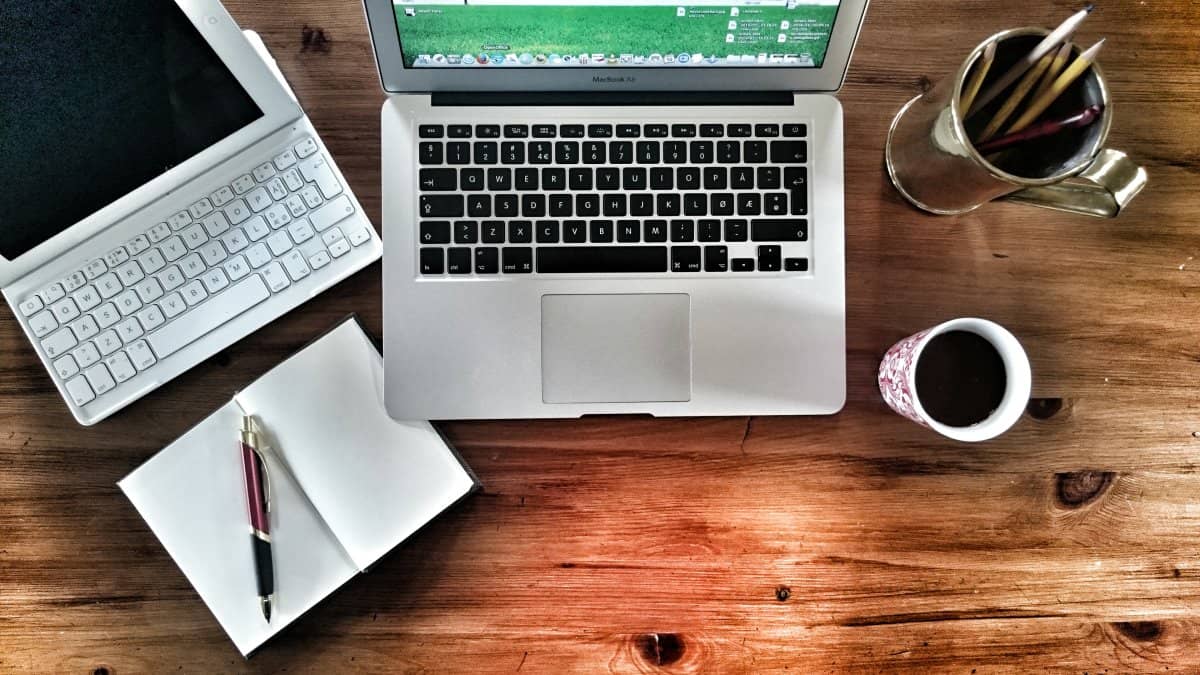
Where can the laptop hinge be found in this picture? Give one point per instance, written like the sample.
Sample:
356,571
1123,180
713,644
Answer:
609,98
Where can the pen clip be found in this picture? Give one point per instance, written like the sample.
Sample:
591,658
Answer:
256,431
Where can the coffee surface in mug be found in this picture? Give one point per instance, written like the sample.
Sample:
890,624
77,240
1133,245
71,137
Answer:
960,378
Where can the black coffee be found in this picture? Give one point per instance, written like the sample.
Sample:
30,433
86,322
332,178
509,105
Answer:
960,378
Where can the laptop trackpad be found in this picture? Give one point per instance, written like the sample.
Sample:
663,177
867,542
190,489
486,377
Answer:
616,348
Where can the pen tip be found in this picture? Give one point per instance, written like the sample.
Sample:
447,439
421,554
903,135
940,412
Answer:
1089,7
266,608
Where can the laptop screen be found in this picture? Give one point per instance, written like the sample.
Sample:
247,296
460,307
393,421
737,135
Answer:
623,33
97,99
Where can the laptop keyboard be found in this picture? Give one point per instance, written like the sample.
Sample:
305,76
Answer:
115,317
612,199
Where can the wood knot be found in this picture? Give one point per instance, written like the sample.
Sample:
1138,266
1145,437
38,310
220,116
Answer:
313,39
1077,488
660,649
782,593
924,84
1044,408
1143,631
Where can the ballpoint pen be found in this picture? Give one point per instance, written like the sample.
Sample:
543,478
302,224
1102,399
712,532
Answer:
258,497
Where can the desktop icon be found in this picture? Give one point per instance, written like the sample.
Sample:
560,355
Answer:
684,57
597,58
733,11
638,59
669,58
681,11
410,11
568,59
423,58
584,59
554,59
762,58
733,58
711,59
453,59
439,59
784,25
655,58
540,58
526,58
728,38
482,58
697,58
732,25
468,60
497,58
626,59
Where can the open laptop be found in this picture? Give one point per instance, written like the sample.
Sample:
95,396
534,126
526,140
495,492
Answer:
602,207
164,195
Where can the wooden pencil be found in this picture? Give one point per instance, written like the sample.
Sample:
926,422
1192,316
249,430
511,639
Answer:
1038,106
1014,99
1056,66
981,70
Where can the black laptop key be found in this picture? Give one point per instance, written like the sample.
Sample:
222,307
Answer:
520,231
708,230
775,204
741,178
735,230
574,231
702,152
587,205
516,131
641,204
683,230
429,153
580,179
661,178
594,152
795,264
566,152
459,131
432,206
722,203
768,177
685,258
768,258
789,152
712,130
628,130
487,260
485,152
683,130
544,131
716,259
655,130
432,261
755,152
608,178
767,130
688,178
554,179
739,131
518,260
795,178
795,130
656,230
620,152
571,130
601,259
541,152
492,232
430,131
560,205
512,152
629,231
499,179
506,206
437,180
716,178
434,232
749,204
533,206
487,131
466,232
695,204
458,153
668,204
601,231
633,178
729,152
647,152
674,152
614,205
471,179
743,265
479,206
600,130
546,231
799,202
458,261
527,179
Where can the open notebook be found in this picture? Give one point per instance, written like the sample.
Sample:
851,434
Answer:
347,483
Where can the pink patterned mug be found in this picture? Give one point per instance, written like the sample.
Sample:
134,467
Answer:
898,379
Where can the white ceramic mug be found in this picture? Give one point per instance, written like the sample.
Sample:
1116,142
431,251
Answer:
898,379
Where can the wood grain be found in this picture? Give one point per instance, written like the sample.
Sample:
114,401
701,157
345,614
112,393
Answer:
857,542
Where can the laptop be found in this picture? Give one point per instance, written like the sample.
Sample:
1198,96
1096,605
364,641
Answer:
613,208
164,195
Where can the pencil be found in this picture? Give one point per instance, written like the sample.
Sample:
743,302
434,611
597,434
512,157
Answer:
981,71
1057,36
1056,66
1073,71
1015,98
1042,129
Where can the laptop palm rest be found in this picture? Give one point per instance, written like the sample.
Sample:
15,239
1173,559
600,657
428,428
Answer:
616,348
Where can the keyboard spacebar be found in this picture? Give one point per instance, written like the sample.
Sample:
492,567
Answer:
601,259
208,316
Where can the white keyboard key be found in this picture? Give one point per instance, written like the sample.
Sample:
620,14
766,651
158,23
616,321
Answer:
280,243
65,310
194,293
213,252
277,216
116,257
85,328
258,256
108,342
316,170
332,213
130,273
236,267
86,355
295,265
332,236
101,381
339,248
106,315
256,228
86,298
259,199
152,261
286,159
66,366
360,236
180,220
173,305
239,298
109,285
277,189
95,269
42,323
73,281
275,277
80,391
201,208
158,233
194,236
32,304
214,280
120,367
312,197
293,180
237,211
129,302
263,172
319,259
149,290
53,293
58,343
192,265
301,231
216,225
137,245
129,330
151,317
235,240
222,197
173,249
139,352
243,184
306,147
295,206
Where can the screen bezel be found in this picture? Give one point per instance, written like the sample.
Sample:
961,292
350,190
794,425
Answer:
395,78
225,37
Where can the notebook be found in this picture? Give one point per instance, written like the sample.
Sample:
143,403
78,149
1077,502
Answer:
347,485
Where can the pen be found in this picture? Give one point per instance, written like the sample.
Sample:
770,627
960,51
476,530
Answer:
258,497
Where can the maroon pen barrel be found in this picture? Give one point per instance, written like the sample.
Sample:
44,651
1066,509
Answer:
256,500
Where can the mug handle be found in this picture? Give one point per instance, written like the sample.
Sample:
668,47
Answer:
1110,182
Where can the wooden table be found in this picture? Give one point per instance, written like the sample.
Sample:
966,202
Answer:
853,542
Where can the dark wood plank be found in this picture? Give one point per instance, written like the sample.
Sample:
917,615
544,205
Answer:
853,542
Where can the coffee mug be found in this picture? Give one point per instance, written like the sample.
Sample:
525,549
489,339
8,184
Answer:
934,165
967,379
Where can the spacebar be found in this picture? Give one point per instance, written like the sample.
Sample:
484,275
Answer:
208,316
601,259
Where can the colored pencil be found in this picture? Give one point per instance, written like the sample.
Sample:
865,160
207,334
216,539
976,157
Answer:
981,70
1014,99
1042,129
1064,80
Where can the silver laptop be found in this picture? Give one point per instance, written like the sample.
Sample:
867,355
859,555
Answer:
597,207
164,195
